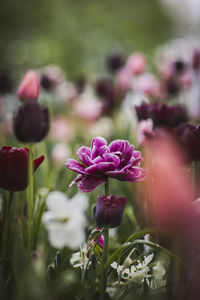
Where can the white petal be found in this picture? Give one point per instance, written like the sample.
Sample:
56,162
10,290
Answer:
56,201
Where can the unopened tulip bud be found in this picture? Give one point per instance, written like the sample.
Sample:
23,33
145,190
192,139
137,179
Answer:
128,261
50,272
31,122
58,259
30,87
110,210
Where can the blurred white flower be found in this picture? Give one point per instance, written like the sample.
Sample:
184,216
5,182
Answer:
103,127
65,219
60,153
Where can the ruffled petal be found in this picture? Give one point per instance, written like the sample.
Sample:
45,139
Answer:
98,142
75,166
90,183
134,174
84,154
100,168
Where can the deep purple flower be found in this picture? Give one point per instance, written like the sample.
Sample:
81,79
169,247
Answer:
14,168
6,83
115,61
188,136
98,163
31,122
196,59
46,82
109,210
161,114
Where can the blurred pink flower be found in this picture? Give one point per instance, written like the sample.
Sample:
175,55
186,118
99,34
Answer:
186,79
137,63
60,129
145,131
124,78
148,84
88,109
60,153
30,87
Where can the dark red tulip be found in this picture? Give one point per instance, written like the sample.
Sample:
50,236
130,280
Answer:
109,210
14,168
31,122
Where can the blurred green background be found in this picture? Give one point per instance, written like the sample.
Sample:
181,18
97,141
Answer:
78,34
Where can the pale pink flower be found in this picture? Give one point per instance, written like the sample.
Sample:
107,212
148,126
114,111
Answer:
145,131
60,129
137,63
148,84
124,78
60,153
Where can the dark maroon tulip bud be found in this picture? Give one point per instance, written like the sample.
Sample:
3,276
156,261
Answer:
115,61
142,111
14,168
109,210
46,82
179,66
105,89
80,83
31,122
172,87
196,59
161,114
6,84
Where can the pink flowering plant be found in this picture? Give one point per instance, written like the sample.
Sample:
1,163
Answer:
107,205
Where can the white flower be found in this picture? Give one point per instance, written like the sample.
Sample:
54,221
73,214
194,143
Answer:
79,258
136,272
65,219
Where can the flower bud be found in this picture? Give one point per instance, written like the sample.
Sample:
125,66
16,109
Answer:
58,259
31,122
109,210
128,261
115,61
14,168
29,88
50,272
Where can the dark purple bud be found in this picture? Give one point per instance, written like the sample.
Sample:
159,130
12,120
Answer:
6,84
109,210
196,59
179,66
80,83
161,114
105,89
142,111
189,138
172,87
46,82
115,61
31,122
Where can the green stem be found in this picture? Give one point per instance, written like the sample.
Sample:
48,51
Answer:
177,273
8,201
30,202
103,281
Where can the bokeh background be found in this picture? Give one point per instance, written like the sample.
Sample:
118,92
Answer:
77,35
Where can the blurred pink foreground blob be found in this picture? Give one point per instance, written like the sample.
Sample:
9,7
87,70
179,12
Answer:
169,184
